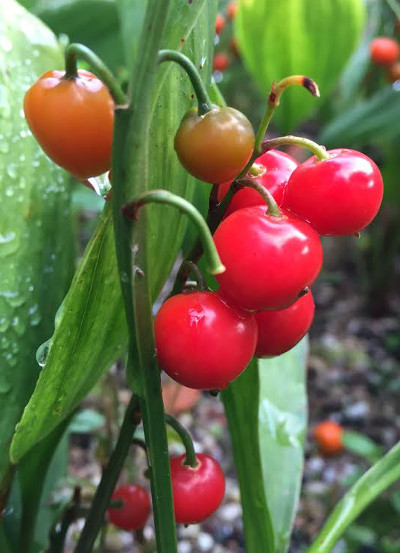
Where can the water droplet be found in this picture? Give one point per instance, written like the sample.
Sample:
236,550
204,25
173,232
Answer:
42,353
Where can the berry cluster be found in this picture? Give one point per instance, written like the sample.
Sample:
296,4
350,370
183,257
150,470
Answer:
223,59
384,51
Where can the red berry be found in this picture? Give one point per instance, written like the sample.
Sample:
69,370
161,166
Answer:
276,169
199,491
221,61
269,260
328,435
384,50
337,196
202,342
72,119
279,331
219,23
135,509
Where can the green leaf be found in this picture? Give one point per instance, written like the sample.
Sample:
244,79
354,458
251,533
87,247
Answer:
282,428
377,118
289,37
86,421
90,334
362,445
375,481
241,401
35,226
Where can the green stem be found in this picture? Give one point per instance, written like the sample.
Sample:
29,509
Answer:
214,265
75,51
315,148
273,102
376,480
191,459
203,99
109,479
273,208
188,267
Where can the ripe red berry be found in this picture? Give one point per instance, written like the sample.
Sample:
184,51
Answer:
279,331
135,508
276,168
337,196
72,119
199,491
202,342
384,50
328,435
214,147
269,260
219,23
221,61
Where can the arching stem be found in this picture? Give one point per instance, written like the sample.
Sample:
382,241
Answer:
188,267
289,140
76,51
203,99
191,459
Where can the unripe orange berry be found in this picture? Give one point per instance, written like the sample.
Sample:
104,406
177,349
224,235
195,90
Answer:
328,435
231,10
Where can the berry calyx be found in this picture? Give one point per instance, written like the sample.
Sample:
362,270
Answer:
269,260
202,342
214,147
221,61
339,195
275,168
328,436
72,119
220,23
135,508
384,50
279,331
197,491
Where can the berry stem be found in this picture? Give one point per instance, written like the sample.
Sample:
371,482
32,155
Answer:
273,208
214,265
109,479
75,51
273,102
315,148
203,99
191,459
188,267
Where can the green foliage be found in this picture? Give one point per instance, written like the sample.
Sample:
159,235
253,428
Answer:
289,37
35,230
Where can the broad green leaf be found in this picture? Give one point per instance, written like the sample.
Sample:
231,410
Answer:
282,428
86,421
361,445
241,401
90,333
377,118
90,327
314,38
375,481
35,229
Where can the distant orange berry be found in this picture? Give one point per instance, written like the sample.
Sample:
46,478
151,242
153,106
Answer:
221,62
328,435
393,72
219,23
234,48
231,10
384,50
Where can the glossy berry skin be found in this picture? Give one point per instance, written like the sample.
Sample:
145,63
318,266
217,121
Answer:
216,146
135,509
337,196
269,260
279,331
219,23
202,342
221,61
199,491
328,435
384,50
276,168
72,119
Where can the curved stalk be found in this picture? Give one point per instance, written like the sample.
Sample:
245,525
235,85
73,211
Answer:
191,459
237,185
290,140
76,51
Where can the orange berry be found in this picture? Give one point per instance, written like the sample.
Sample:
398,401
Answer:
328,435
219,23
384,50
221,62
231,10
